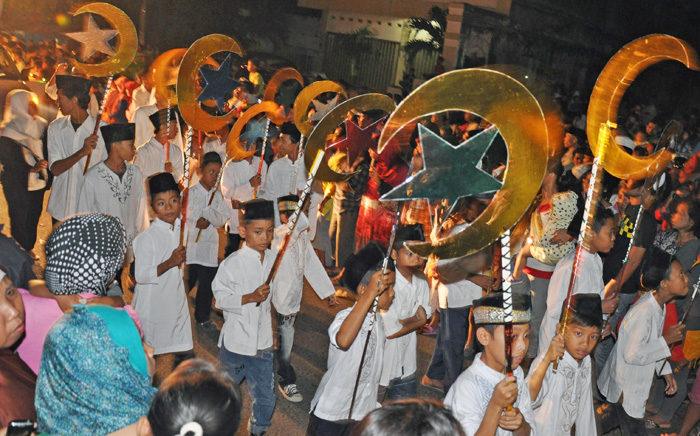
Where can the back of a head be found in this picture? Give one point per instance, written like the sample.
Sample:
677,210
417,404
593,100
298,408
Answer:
200,395
413,417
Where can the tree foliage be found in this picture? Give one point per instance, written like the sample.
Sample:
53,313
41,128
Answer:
433,25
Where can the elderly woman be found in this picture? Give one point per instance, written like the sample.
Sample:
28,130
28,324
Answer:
16,379
83,255
24,174
95,375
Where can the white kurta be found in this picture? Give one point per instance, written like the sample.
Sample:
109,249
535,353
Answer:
640,349
400,353
280,181
334,393
63,142
206,251
458,294
471,393
161,302
213,143
144,126
247,328
589,281
150,158
235,184
566,398
299,261
124,198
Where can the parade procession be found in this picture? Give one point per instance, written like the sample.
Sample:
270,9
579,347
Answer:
349,218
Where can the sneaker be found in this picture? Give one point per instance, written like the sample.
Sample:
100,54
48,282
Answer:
291,393
208,326
259,434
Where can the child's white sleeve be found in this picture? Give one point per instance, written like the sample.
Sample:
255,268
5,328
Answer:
225,287
334,328
315,273
639,345
217,212
585,421
465,405
145,263
544,390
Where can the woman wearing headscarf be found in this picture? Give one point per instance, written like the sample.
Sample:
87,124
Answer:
24,173
17,381
95,375
83,255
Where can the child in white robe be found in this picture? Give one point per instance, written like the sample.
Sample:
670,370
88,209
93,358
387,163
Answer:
481,396
160,153
564,399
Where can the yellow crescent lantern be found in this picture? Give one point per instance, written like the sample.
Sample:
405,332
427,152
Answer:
234,148
306,96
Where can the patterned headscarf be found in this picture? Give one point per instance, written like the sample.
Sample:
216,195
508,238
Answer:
86,384
84,253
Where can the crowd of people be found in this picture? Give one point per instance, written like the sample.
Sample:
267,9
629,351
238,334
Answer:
133,214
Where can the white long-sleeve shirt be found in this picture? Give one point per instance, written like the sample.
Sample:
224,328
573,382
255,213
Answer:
640,349
235,184
565,399
400,353
161,301
471,393
125,198
247,327
144,127
150,158
205,252
299,261
334,394
589,280
63,142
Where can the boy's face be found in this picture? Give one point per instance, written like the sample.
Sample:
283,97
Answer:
495,345
603,240
258,234
578,159
173,129
65,104
405,259
580,341
209,174
125,150
284,216
166,205
677,281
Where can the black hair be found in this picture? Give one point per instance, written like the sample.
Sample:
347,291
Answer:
693,211
656,268
411,417
602,215
196,392
357,264
408,232
373,269
582,319
210,157
78,92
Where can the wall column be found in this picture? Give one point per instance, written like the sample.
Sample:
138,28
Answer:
455,16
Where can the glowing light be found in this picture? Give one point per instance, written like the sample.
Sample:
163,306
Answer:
62,20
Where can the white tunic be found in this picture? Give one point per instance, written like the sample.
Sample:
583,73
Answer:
299,261
124,198
566,398
640,349
280,181
471,393
213,143
144,126
150,158
63,142
334,393
206,251
235,184
400,353
589,281
247,328
161,302
458,294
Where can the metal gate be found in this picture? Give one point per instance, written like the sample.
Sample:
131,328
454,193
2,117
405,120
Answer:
374,69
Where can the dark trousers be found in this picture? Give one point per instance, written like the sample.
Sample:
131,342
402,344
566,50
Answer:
629,426
448,356
24,209
234,241
321,427
285,328
204,275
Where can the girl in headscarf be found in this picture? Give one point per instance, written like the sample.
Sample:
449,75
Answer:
95,375
24,173
83,255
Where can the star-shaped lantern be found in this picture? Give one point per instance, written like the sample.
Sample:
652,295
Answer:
322,109
219,83
357,140
94,39
254,129
449,171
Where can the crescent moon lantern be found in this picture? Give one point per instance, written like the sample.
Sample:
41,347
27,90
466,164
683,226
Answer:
317,138
161,68
510,106
195,56
306,96
234,148
127,41
616,77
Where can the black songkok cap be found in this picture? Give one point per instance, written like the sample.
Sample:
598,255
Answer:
162,182
112,133
288,203
357,265
587,307
489,309
161,117
73,85
258,209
